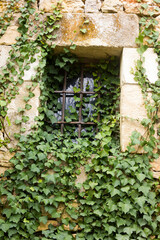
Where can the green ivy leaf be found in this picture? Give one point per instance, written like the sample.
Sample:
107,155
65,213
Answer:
43,219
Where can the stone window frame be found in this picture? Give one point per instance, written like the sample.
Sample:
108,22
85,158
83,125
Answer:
132,108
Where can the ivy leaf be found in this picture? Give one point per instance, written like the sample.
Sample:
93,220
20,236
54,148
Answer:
83,30
6,226
7,212
125,207
43,219
73,46
62,156
98,212
93,184
42,156
15,218
141,176
8,121
110,229
28,106
140,201
145,190
3,103
86,21
60,199
142,49
50,177
122,237
34,168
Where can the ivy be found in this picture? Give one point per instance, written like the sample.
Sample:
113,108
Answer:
119,199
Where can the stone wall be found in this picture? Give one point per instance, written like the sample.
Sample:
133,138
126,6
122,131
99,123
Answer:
112,29
113,26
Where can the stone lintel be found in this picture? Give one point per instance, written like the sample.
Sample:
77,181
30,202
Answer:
105,33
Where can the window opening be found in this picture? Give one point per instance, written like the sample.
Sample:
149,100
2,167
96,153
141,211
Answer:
84,86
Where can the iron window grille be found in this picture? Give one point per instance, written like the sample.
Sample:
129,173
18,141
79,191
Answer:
81,94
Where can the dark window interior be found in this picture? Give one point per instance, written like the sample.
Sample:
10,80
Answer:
77,99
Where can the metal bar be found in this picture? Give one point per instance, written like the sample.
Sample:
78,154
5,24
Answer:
80,108
64,101
82,123
74,92
99,96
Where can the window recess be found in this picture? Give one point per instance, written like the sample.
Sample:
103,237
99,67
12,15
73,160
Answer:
77,99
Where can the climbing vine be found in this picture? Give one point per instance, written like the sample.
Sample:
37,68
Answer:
119,198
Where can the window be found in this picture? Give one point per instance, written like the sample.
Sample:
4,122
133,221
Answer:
77,93
81,97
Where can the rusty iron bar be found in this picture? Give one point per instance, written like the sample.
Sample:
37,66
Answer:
82,123
69,92
99,95
80,108
64,101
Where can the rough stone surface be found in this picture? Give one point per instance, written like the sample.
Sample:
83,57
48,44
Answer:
132,6
4,54
70,6
105,32
10,36
28,74
12,33
5,156
4,4
19,102
112,6
3,169
82,177
43,227
16,7
92,6
128,62
156,165
156,175
158,26
132,112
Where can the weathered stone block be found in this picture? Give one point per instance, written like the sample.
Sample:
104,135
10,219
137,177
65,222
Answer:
16,7
11,33
128,62
4,54
43,227
3,169
28,74
156,175
156,165
158,26
82,177
5,156
92,6
69,6
112,6
132,6
19,102
10,36
132,111
132,103
106,33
